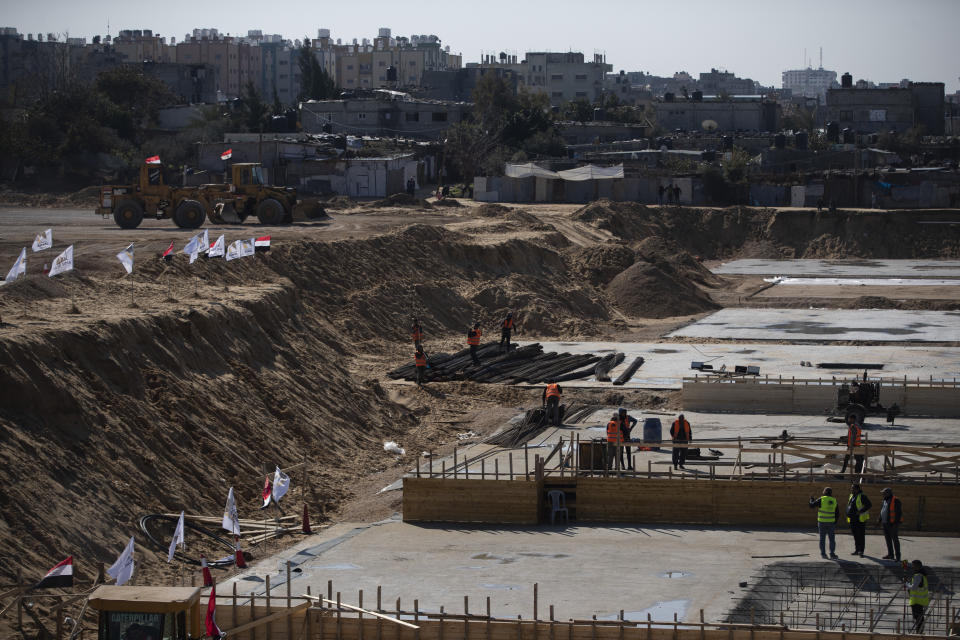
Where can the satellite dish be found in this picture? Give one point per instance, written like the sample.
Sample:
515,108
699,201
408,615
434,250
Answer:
709,125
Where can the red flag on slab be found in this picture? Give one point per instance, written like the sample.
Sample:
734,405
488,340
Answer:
267,492
153,160
262,243
207,578
212,629
168,254
241,561
226,154
60,576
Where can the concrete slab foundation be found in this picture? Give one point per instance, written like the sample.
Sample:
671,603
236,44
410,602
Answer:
843,268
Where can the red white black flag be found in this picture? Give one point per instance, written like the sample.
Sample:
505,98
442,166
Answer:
267,492
226,155
60,576
262,243
213,630
207,578
153,160
168,254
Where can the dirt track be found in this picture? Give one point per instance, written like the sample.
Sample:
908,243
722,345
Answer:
125,395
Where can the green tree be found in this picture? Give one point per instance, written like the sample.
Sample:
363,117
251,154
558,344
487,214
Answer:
315,82
579,110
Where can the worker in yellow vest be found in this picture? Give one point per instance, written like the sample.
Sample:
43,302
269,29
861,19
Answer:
828,512
919,590
858,513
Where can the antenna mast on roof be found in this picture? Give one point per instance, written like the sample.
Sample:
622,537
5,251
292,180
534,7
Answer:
821,57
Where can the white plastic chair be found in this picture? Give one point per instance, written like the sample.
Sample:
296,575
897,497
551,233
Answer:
558,504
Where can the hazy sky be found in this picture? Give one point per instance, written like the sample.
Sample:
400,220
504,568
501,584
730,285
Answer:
880,40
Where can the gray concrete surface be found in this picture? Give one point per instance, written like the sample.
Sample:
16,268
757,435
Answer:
857,268
582,570
826,325
666,364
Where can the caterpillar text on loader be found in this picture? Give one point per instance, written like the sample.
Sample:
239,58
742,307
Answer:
247,195
150,196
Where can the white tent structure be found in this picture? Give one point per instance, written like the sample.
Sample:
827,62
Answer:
530,182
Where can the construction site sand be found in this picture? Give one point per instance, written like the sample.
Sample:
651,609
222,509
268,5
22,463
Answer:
125,395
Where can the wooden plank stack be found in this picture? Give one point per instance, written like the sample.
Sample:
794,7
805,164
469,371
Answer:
527,364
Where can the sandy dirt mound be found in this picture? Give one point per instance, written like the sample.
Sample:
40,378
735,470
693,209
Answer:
339,203
599,264
647,291
492,210
447,202
86,198
669,256
400,200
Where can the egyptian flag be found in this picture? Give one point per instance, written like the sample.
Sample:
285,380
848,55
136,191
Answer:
207,578
213,631
153,160
168,254
241,561
267,492
262,243
226,155
60,576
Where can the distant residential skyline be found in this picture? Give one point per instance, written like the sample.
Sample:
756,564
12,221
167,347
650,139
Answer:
876,40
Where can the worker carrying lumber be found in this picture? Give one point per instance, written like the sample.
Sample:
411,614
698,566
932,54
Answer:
614,441
627,423
919,591
473,341
420,361
854,439
551,402
681,434
891,515
416,332
858,514
828,512
506,328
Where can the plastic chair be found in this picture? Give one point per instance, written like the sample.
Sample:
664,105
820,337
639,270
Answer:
558,504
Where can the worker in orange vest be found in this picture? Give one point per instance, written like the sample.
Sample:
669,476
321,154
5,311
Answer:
614,441
854,439
473,341
420,361
627,423
506,327
416,332
681,434
551,401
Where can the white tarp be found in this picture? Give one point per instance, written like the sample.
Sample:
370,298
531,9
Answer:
580,174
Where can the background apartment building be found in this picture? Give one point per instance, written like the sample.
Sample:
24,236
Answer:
870,110
809,83
562,76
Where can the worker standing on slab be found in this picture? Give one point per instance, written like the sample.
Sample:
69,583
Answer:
681,434
891,515
858,507
854,439
828,512
420,360
919,590
614,439
416,332
551,402
473,341
627,423
506,327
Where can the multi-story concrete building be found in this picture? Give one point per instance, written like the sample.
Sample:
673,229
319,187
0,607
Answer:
894,109
563,77
383,113
723,82
810,83
237,60
751,113
279,67
141,45
32,67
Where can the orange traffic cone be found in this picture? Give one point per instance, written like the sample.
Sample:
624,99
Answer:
306,519
241,562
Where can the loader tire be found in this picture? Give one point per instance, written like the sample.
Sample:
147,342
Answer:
128,214
189,214
270,212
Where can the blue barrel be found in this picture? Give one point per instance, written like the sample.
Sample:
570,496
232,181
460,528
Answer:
652,431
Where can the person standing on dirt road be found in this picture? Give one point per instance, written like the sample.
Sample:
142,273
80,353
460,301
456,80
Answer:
473,341
828,512
676,194
551,401
416,332
681,434
505,329
660,191
420,361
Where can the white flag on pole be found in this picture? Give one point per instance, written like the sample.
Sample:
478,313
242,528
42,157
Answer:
64,262
19,267
217,249
177,539
281,482
192,248
248,248
126,258
231,519
122,569
205,244
43,240
235,250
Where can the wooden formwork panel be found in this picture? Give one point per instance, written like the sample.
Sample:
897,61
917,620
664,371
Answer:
943,402
289,627
453,500
750,503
